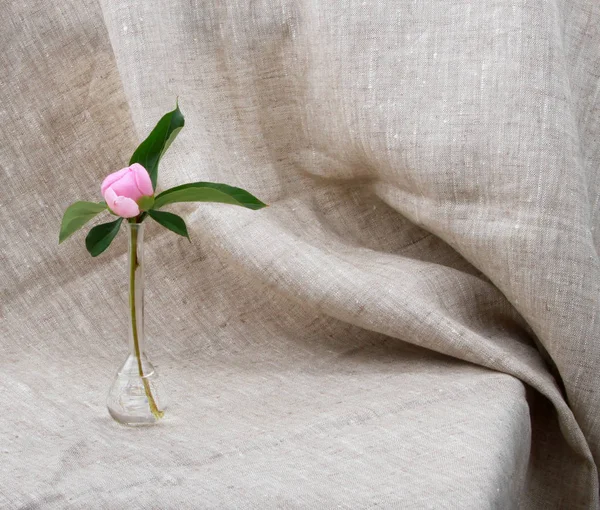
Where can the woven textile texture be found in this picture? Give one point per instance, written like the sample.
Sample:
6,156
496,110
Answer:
413,323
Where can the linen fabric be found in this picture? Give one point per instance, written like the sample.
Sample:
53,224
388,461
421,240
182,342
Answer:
413,323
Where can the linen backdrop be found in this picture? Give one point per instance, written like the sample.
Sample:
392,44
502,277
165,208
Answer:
413,322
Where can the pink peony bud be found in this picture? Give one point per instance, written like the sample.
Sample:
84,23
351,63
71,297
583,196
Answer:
124,188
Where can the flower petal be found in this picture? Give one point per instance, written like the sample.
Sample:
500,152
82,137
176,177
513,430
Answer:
142,179
112,178
125,207
110,196
127,187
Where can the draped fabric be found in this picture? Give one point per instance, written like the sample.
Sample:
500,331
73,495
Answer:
414,322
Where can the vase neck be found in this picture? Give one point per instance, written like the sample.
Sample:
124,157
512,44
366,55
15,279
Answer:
135,232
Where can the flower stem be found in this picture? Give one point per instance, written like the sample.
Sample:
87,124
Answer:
132,306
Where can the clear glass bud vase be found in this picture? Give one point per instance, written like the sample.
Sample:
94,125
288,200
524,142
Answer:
136,396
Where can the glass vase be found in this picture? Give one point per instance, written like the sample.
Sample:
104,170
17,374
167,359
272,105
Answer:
136,396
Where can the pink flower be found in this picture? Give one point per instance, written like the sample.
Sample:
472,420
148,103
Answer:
124,188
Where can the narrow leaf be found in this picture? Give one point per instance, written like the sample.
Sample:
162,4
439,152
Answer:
100,237
150,151
208,192
171,221
76,216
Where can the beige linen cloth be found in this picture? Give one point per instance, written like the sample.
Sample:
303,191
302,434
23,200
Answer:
371,340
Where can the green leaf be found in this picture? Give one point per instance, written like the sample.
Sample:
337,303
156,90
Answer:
100,237
171,221
76,216
150,151
145,203
208,192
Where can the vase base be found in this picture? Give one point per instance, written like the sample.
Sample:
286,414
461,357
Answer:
133,421
134,400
